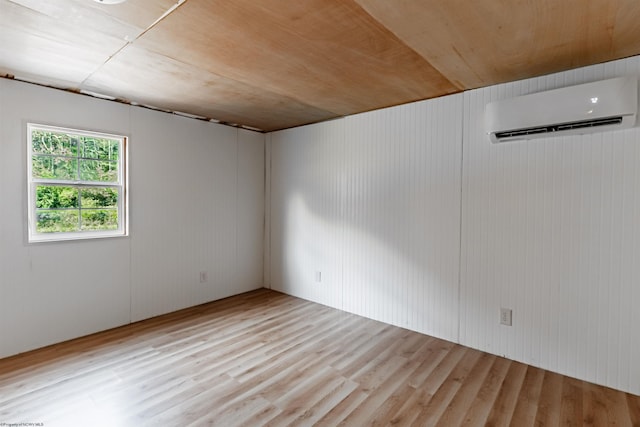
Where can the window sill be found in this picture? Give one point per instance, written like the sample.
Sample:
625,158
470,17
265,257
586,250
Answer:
66,237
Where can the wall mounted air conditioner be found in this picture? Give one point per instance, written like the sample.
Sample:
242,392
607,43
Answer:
587,108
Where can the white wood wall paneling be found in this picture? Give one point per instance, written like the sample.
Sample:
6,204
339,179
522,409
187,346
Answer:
196,199
403,170
305,212
375,200
250,211
267,213
54,291
4,319
177,222
551,230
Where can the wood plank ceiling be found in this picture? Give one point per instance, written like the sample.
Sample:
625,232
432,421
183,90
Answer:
274,64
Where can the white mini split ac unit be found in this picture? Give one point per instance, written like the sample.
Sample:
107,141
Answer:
587,108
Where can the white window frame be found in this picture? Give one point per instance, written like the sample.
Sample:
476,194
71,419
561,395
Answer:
121,186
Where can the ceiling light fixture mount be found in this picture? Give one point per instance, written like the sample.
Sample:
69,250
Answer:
109,1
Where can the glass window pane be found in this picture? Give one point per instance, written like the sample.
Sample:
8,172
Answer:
48,167
99,170
100,148
99,219
99,197
56,143
55,221
74,185
56,197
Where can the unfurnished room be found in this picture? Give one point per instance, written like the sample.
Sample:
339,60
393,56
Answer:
319,212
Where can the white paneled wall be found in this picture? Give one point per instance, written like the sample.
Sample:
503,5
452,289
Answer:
402,215
250,211
196,204
183,214
551,229
266,265
4,320
372,202
54,291
306,224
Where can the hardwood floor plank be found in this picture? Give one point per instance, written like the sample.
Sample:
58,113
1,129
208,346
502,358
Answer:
326,403
502,410
571,405
617,407
380,388
376,346
445,393
456,410
177,397
345,407
299,405
265,358
550,400
526,407
594,410
479,409
260,418
634,410
233,414
386,413
431,361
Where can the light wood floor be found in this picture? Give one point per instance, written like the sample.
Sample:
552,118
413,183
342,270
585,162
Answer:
264,358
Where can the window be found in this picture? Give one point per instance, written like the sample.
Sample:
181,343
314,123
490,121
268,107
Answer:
76,184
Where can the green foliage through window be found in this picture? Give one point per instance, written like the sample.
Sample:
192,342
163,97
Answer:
59,155
76,181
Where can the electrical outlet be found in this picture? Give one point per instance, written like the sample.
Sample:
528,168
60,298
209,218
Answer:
204,277
505,316
318,276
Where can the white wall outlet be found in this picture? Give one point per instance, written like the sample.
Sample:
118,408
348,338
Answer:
318,276
505,316
204,277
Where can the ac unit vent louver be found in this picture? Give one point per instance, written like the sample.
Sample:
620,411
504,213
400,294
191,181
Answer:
592,107
556,128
